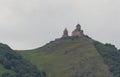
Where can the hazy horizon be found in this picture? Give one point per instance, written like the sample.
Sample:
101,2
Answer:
28,24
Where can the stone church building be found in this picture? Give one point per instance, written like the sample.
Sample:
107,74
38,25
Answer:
78,32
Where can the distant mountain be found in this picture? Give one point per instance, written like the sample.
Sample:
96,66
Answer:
13,65
76,57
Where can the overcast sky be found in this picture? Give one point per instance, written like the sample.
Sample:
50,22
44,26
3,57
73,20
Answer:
28,24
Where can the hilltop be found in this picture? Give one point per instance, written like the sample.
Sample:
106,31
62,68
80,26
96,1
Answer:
76,56
70,57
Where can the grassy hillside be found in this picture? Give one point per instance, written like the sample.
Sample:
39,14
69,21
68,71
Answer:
72,57
13,65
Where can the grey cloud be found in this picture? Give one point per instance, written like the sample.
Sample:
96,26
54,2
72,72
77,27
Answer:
26,24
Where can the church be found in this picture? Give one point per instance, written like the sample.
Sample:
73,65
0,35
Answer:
78,32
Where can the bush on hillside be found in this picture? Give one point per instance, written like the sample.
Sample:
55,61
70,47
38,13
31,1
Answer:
111,57
12,61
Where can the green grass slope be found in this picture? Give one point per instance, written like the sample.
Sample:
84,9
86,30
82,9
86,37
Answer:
72,57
